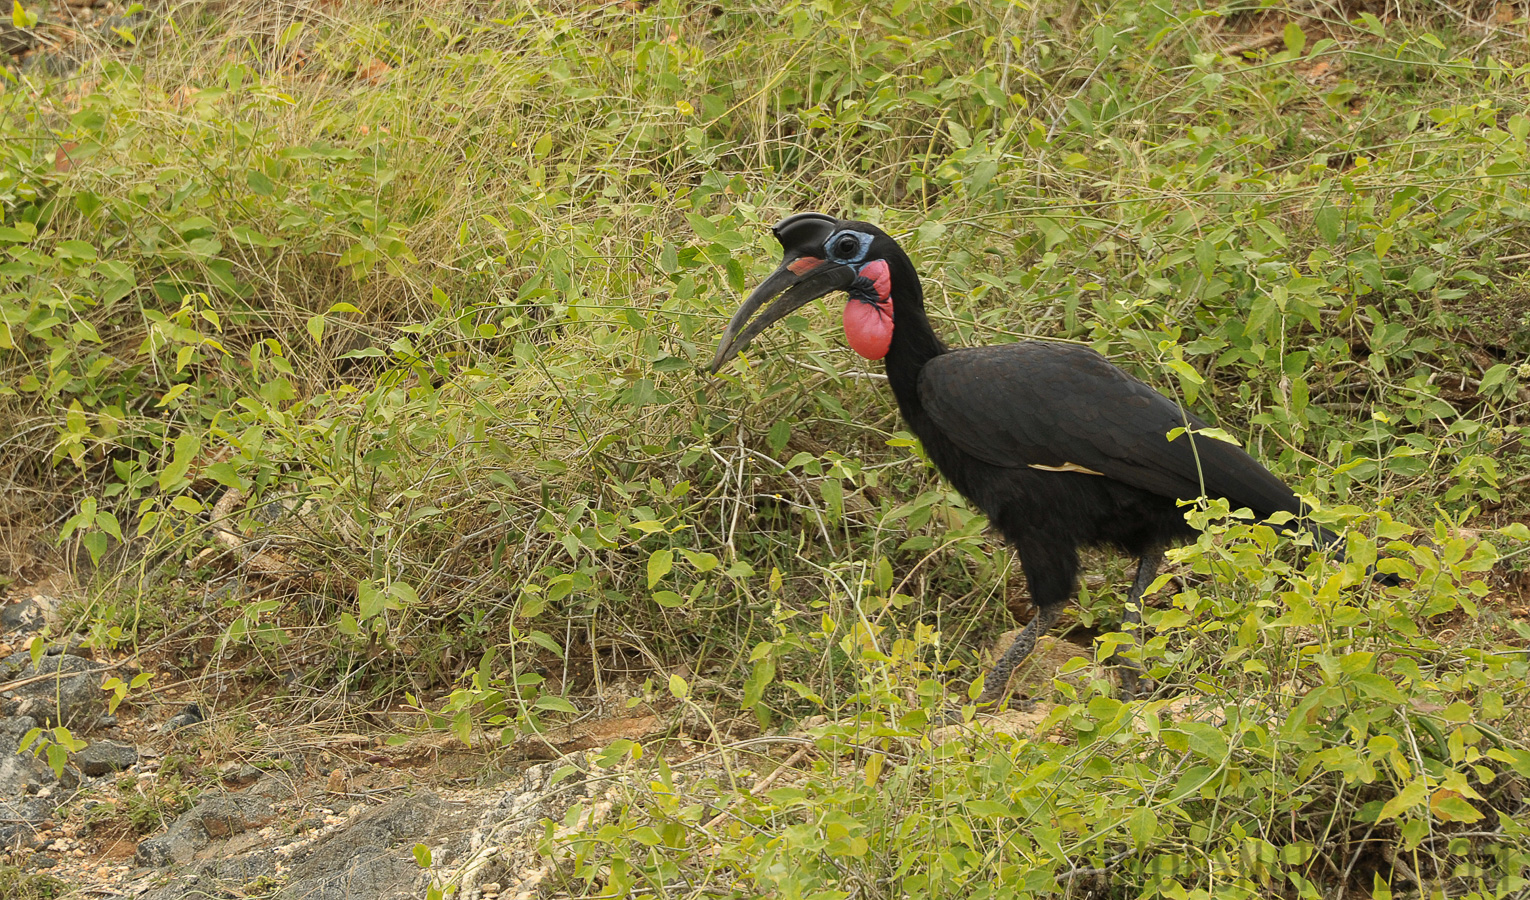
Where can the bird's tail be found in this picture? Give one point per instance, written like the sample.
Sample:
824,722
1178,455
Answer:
1334,543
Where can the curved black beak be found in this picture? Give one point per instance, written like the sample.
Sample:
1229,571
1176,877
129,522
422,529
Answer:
799,281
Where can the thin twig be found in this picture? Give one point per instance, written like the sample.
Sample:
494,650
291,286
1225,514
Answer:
767,781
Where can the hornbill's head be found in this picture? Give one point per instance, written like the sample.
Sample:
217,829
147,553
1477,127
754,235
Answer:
823,255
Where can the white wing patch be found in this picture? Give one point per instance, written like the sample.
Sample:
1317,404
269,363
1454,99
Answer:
1067,467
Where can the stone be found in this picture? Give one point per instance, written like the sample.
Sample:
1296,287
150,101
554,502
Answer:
29,615
68,694
191,715
12,731
14,42
50,64
371,857
218,878
193,831
240,774
21,774
21,819
105,757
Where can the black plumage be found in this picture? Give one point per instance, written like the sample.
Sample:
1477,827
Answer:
1060,448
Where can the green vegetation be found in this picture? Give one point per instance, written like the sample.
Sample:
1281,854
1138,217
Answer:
29,886
370,343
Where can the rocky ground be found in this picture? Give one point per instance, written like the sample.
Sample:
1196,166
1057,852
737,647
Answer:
142,807
340,819
150,801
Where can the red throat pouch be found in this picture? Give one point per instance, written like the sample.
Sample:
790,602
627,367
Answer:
869,326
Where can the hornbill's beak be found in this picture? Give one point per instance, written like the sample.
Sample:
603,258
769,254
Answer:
800,280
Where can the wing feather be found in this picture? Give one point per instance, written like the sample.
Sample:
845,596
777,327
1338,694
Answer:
1050,405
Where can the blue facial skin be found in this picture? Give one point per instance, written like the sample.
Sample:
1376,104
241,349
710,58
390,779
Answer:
833,249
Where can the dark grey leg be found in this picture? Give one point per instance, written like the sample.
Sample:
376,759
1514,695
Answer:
996,687
1132,675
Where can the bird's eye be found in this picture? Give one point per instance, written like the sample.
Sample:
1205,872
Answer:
848,246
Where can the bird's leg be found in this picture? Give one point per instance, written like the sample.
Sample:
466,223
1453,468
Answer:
1132,675
997,684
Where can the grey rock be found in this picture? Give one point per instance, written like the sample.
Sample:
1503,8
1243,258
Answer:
191,715
14,41
20,821
370,858
224,877
194,886
277,787
20,773
104,757
41,861
73,645
50,65
12,731
70,696
216,818
29,615
240,773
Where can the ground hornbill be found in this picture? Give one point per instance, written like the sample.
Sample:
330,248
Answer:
1056,445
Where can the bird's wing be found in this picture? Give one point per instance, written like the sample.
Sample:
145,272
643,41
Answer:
1061,406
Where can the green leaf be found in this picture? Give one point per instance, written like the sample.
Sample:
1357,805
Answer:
760,677
1516,530
21,17
20,233
659,565
187,504
703,562
672,364
1294,37
173,393
421,852
1494,376
1329,221
1408,798
555,703
108,523
779,434
186,448
1449,806
1206,740
1422,279
1143,826
988,809
678,687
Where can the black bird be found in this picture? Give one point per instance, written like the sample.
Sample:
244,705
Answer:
1058,447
